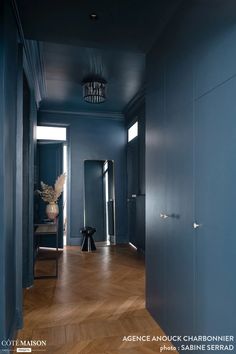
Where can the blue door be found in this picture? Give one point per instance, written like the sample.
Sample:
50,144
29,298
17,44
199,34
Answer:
180,252
156,227
215,210
50,166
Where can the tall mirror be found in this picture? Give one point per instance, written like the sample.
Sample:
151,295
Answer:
99,199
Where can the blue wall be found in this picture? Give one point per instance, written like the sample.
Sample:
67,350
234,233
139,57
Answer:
190,171
11,173
92,138
8,98
9,72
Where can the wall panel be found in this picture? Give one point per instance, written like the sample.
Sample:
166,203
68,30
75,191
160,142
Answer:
191,73
155,254
215,209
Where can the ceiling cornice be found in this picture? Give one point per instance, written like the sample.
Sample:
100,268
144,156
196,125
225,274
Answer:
34,52
97,115
32,61
135,102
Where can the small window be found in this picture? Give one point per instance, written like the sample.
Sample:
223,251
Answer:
51,133
133,131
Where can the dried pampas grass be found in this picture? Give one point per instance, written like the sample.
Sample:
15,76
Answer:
59,185
50,194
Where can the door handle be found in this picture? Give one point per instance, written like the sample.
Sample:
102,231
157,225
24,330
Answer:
163,216
196,226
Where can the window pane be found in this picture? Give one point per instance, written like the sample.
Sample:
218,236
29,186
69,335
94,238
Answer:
133,131
51,133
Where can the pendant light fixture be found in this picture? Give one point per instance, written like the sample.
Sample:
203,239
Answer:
94,90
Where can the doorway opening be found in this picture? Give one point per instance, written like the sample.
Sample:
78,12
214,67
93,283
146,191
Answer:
99,200
52,160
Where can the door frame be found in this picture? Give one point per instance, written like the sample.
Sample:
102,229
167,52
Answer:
63,143
113,192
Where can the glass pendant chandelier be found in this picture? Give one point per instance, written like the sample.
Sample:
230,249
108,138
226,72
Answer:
94,90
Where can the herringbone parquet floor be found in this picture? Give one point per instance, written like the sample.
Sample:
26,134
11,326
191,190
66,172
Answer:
96,301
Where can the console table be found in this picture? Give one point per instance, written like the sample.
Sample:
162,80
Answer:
41,230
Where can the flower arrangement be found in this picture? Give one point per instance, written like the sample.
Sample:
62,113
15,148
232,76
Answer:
51,194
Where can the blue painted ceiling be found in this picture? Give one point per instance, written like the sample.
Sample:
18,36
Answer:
73,46
66,66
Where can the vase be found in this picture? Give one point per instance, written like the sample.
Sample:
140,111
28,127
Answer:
52,210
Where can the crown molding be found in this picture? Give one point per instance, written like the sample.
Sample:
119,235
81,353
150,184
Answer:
135,102
97,115
32,60
33,52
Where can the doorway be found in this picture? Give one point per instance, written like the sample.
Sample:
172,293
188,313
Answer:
52,162
99,199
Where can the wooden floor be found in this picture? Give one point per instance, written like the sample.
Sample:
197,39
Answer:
96,301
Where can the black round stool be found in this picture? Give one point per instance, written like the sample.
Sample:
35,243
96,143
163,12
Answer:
88,243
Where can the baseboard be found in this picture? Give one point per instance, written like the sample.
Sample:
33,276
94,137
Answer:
76,241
